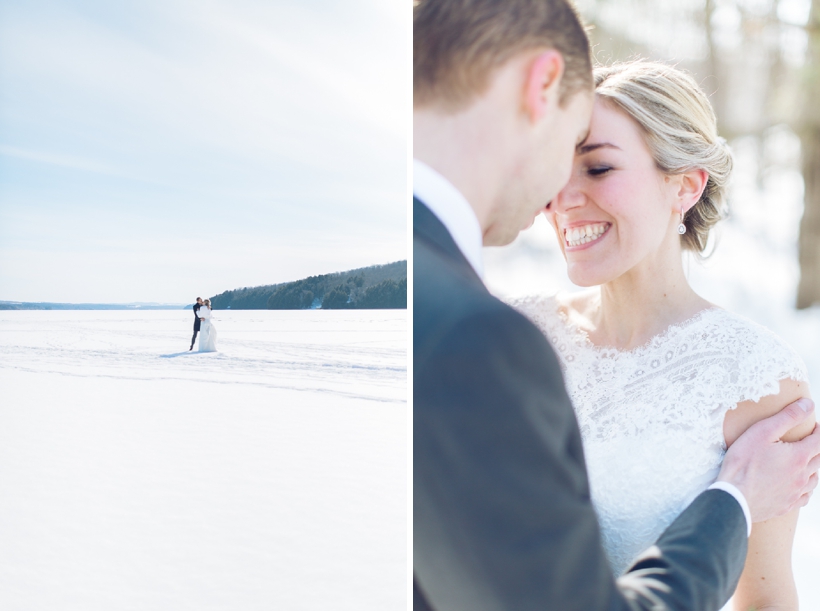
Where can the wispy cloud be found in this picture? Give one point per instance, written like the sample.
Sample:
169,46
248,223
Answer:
64,161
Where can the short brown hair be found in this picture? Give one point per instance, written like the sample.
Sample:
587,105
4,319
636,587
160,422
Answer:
457,44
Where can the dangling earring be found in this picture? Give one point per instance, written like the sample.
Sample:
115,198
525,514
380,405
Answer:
681,227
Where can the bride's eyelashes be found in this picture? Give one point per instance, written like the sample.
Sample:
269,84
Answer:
598,170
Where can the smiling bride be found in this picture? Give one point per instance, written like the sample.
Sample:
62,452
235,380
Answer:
207,337
662,381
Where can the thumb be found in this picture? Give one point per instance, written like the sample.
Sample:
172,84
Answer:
774,427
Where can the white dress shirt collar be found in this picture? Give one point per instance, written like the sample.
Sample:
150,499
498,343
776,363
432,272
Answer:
452,209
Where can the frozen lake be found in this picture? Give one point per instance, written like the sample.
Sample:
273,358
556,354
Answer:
269,475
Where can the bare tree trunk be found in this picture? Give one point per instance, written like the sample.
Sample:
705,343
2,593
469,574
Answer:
716,84
808,291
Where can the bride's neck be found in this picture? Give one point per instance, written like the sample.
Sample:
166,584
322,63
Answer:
642,303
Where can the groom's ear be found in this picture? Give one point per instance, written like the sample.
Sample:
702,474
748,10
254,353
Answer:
543,83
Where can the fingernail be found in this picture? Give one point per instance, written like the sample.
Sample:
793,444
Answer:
805,404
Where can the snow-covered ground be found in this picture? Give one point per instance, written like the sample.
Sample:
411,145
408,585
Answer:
269,475
753,272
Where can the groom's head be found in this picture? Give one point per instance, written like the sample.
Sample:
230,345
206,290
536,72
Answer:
199,300
517,72
458,44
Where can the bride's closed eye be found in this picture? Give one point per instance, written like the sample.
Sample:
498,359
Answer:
598,170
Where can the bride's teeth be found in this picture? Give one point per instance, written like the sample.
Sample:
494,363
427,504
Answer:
583,235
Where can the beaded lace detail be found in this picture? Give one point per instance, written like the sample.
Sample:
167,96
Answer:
651,419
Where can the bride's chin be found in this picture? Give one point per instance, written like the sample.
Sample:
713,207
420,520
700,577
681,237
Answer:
584,278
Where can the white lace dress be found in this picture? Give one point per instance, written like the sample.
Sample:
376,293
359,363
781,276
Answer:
651,419
207,331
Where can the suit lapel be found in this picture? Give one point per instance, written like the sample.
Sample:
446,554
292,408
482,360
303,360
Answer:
428,228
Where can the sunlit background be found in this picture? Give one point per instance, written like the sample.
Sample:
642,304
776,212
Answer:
759,60
154,151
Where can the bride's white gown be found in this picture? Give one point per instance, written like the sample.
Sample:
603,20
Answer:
651,419
207,331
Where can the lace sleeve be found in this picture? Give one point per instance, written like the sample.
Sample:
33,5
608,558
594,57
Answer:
764,360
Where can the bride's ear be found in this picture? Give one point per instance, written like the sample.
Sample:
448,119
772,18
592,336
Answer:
690,188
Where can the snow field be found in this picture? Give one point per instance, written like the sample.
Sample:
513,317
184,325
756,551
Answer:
269,475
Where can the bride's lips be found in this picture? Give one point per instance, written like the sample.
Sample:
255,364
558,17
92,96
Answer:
584,234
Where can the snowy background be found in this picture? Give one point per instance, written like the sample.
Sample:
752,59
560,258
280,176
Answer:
269,475
753,271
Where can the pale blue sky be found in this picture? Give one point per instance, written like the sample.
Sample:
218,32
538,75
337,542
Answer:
157,150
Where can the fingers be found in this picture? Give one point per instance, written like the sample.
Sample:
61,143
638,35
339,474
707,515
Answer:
810,447
786,419
806,404
804,500
807,492
813,480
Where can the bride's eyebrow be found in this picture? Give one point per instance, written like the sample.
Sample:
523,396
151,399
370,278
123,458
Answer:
583,149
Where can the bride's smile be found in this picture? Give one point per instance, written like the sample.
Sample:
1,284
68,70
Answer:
583,234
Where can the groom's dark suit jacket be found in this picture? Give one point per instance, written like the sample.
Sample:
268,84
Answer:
501,509
197,322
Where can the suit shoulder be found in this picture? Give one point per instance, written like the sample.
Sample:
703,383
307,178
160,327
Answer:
454,313
442,285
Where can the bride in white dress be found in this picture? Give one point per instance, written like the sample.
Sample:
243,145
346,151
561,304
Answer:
662,380
207,331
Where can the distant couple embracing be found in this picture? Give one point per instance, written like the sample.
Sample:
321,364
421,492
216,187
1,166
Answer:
610,449
204,326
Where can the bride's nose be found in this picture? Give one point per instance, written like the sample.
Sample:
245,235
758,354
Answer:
571,196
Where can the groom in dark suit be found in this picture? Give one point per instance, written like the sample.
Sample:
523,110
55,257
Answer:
197,321
502,513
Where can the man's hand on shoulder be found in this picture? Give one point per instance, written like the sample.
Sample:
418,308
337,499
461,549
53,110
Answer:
775,476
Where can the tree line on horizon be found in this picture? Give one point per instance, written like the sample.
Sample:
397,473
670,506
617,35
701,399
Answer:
374,287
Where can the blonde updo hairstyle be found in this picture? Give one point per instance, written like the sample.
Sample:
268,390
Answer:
680,129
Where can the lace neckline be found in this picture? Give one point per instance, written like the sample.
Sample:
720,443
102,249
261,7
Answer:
582,340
